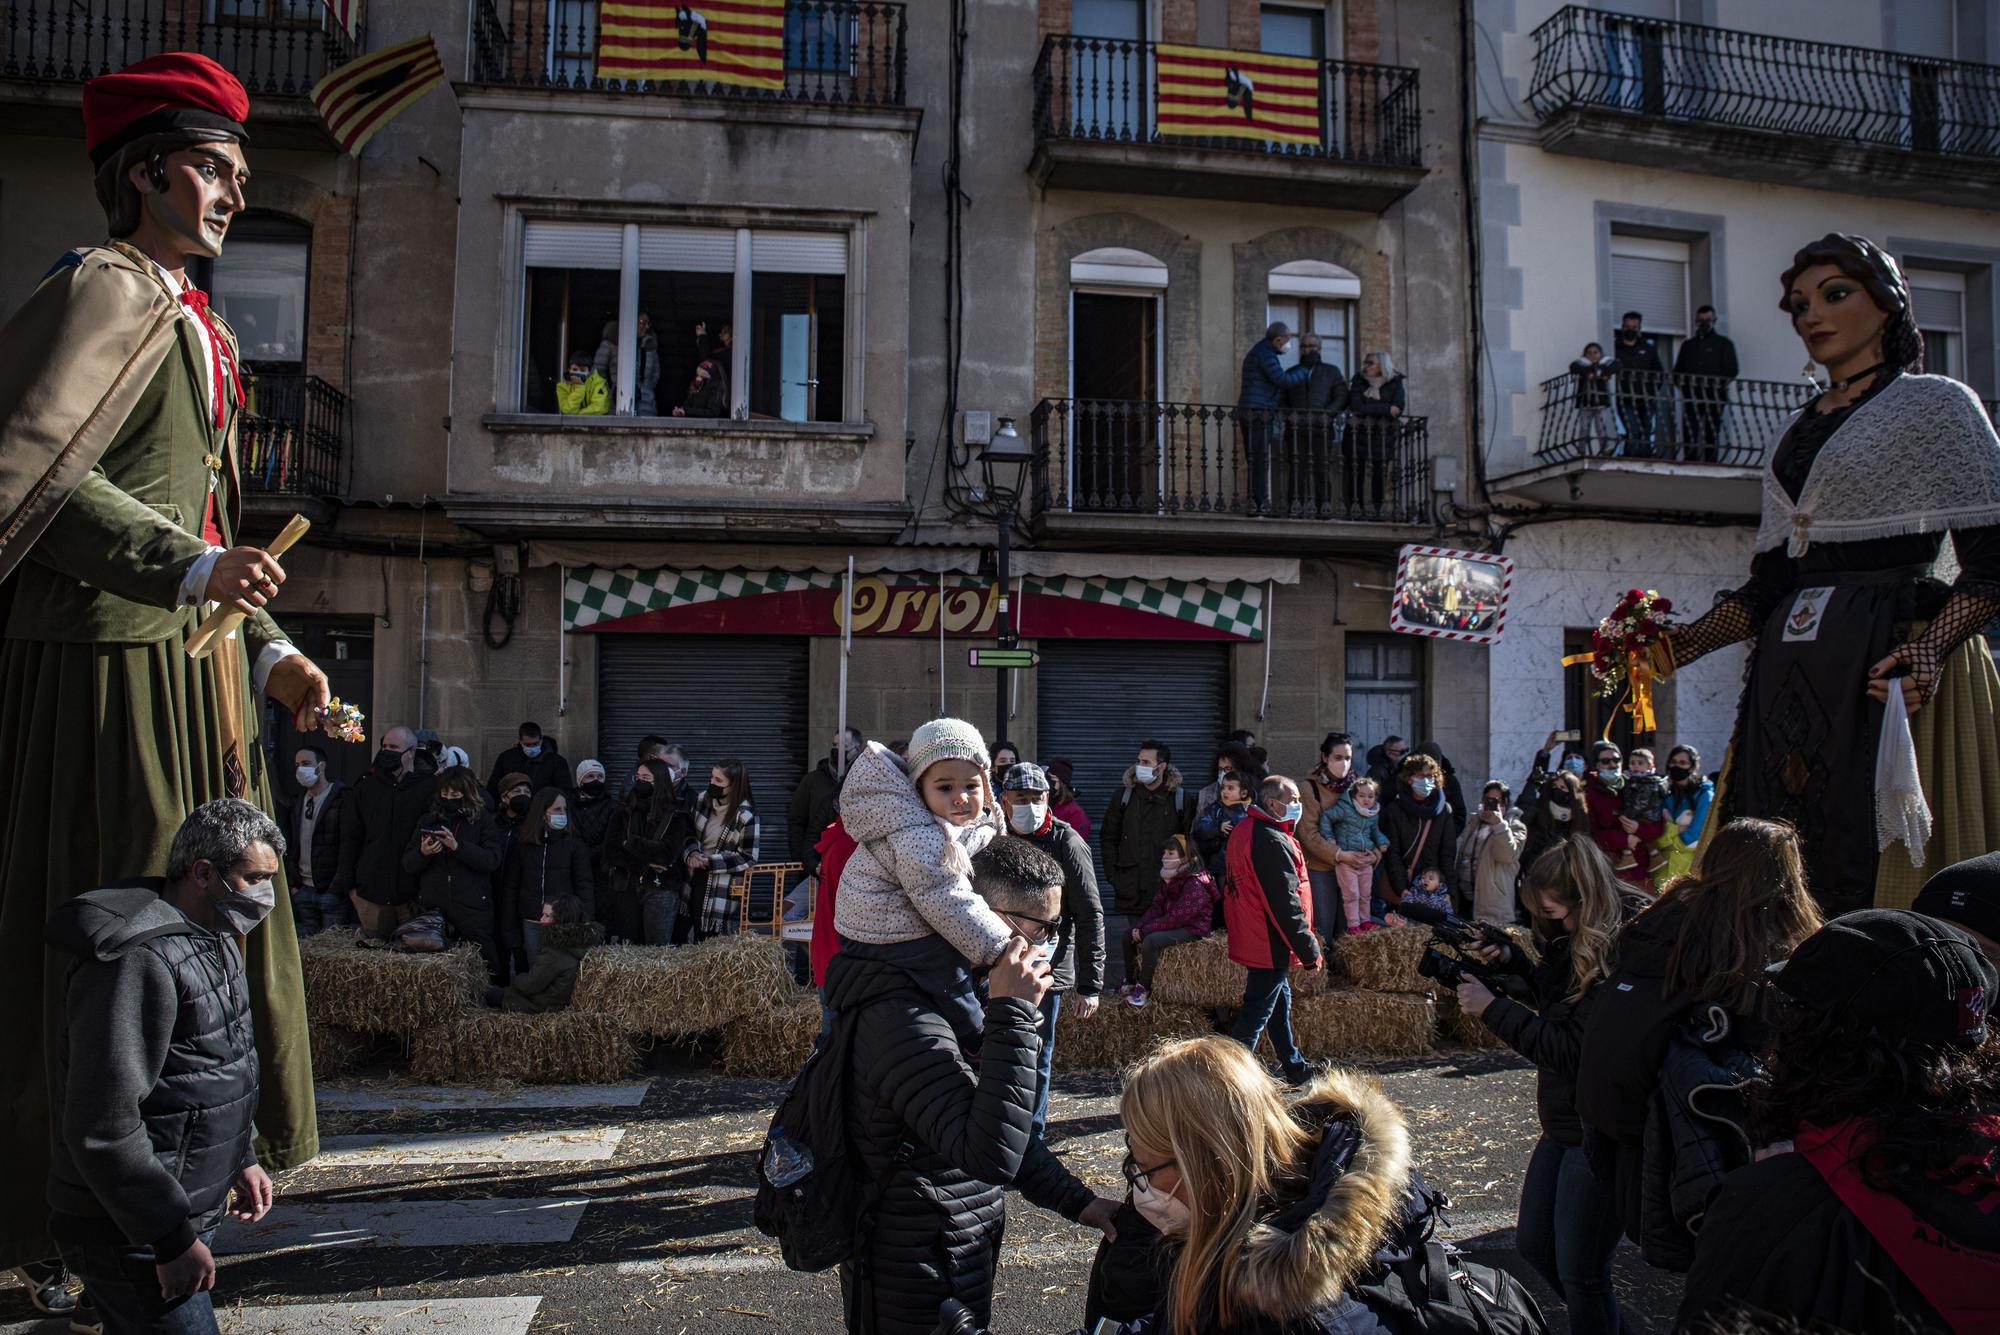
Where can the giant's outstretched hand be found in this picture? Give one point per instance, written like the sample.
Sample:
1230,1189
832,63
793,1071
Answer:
297,683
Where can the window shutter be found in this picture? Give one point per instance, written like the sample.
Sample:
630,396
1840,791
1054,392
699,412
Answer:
1940,309
1656,287
798,252
688,249
572,245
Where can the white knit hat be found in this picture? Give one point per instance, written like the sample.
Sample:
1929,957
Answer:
945,739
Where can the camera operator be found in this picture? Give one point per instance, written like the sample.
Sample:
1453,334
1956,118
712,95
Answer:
1568,1225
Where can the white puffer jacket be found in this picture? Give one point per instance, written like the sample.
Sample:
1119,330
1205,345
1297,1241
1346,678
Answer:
911,874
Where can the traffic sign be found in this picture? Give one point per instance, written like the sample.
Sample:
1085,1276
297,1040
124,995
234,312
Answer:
1005,658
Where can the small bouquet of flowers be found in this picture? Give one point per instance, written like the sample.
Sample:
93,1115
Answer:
1621,651
343,722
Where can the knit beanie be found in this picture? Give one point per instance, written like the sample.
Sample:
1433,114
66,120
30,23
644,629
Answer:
945,739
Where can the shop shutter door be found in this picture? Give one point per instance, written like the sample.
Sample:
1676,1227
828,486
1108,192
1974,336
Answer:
719,696
1099,699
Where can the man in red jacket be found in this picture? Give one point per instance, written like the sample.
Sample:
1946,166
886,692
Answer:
1267,908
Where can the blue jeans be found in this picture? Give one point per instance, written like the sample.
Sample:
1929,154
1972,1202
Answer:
316,910
1044,1063
1267,1004
1568,1231
121,1281
1329,922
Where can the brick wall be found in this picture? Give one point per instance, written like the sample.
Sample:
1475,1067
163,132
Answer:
327,305
1245,25
1177,21
1361,35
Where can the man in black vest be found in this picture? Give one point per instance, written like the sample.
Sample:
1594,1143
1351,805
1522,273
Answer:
155,1080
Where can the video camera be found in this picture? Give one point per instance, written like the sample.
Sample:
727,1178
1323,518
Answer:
1456,933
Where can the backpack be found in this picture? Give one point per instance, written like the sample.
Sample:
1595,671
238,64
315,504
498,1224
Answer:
1434,1289
811,1195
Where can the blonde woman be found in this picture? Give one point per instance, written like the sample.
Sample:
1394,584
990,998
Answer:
1279,1205
1568,1224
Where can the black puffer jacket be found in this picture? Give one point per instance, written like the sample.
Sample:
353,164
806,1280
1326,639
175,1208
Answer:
158,1011
1079,958
936,1234
381,815
1550,1034
1696,1134
459,882
590,821
534,875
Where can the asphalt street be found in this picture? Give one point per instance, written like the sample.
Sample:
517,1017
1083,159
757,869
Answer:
627,1207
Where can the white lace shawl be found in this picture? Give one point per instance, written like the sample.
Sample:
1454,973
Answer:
1919,457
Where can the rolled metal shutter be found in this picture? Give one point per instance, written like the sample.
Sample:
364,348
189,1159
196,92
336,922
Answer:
719,696
1098,699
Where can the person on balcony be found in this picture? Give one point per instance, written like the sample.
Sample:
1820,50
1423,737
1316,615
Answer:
1376,400
1319,409
1703,369
1260,407
583,392
1594,426
1642,377
645,392
705,396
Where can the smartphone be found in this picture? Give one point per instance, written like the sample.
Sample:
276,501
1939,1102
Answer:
1569,735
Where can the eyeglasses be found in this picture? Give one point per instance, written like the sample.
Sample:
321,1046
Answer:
1047,933
1139,1178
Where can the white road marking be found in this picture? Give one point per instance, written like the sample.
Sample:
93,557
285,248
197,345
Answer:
341,1097
435,1316
405,1224
470,1147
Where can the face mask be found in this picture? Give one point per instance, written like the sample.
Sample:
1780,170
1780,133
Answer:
1704,326
241,910
715,792
595,788
388,761
1422,788
518,804
1222,774
1607,772
558,820
1144,773
1170,871
308,775
1641,771
1309,358
1027,818
1680,774
423,762
1161,1210
1338,767
642,789
1294,810
532,751
1574,764
1043,955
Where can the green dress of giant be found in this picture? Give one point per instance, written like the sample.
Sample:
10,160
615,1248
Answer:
109,733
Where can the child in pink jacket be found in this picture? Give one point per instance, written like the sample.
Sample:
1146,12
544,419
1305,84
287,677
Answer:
1184,910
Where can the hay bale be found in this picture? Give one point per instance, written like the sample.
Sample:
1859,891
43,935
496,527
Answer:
1347,1023
1200,973
1462,1030
772,1044
480,1047
336,1051
1384,960
383,991
1119,1035
680,991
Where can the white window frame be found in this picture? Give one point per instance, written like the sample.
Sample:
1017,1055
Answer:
1952,363
1119,272
1331,13
1656,248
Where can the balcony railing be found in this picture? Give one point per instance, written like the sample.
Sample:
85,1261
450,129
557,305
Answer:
1588,58
1111,456
1673,418
278,48
293,426
835,52
1108,90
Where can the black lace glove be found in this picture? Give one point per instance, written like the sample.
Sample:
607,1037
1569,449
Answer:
1971,605
1730,621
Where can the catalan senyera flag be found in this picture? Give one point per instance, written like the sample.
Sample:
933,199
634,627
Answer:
1209,93
369,91
738,42
345,12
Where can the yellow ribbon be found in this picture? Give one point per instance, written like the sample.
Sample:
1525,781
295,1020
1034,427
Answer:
1579,660
1638,699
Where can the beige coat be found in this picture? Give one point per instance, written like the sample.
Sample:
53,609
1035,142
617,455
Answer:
1489,865
1316,794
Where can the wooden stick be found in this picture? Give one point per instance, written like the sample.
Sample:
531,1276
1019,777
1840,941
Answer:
222,622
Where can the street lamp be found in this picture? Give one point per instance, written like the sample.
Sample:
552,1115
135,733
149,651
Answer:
1004,462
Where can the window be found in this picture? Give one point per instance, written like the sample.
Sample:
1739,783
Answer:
1650,276
259,287
1385,688
1108,75
1296,30
287,13
572,41
1313,296
767,305
820,35
1937,300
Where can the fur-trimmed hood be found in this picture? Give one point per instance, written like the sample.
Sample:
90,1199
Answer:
1357,1197
1172,785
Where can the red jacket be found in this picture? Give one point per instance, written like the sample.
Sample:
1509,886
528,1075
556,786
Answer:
833,848
1266,905
1605,807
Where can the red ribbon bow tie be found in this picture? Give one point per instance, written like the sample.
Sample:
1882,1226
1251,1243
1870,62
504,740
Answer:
220,359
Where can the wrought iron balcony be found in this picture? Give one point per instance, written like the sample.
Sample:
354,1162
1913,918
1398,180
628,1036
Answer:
292,435
1138,115
836,52
1203,460
278,48
1759,107
1669,418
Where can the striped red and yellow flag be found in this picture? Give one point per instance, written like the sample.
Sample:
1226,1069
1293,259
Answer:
369,91
345,13
738,42
1210,93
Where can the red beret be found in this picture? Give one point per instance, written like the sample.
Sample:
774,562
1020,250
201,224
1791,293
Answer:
180,90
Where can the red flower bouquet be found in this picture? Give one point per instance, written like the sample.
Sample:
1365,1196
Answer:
1621,648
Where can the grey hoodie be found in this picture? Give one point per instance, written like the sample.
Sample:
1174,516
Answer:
908,878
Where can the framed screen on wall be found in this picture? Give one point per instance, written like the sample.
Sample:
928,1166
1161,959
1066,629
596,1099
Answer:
1451,595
